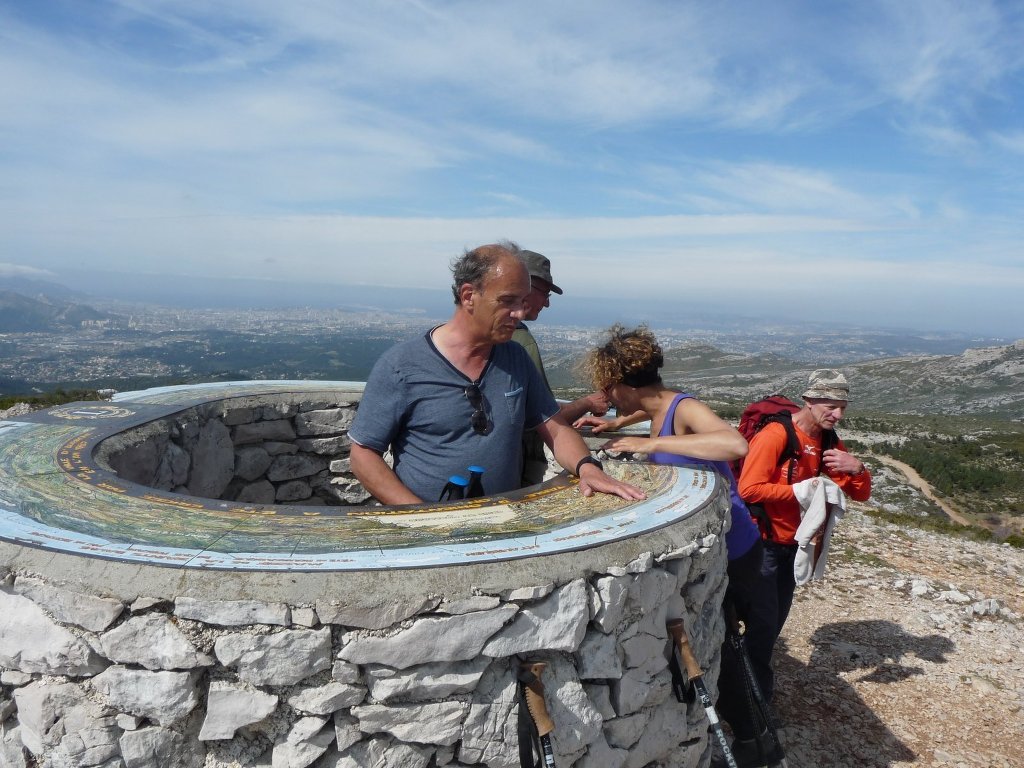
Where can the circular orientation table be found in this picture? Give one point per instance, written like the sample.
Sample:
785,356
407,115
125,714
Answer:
55,496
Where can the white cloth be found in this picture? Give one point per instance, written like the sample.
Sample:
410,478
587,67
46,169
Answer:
822,502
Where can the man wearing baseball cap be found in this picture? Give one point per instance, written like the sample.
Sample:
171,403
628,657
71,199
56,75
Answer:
542,285
768,480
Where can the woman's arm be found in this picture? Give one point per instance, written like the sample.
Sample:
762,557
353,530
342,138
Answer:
699,432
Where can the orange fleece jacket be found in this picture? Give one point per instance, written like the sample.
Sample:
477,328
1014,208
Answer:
763,481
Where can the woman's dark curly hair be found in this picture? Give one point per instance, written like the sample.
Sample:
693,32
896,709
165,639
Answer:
630,356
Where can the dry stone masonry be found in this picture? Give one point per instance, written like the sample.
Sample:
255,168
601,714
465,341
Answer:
91,681
370,670
271,449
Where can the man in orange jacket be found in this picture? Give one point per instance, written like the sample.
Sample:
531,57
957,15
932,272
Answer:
767,479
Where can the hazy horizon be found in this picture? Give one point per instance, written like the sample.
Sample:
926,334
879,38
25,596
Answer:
857,162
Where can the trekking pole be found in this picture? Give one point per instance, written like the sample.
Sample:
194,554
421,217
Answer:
683,658
760,711
532,691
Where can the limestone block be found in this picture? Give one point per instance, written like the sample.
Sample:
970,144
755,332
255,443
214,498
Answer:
42,709
154,642
635,690
557,623
281,410
344,490
469,604
324,446
646,653
145,603
14,679
305,617
379,752
138,463
213,461
251,462
601,755
600,696
327,699
88,746
490,734
598,657
433,723
31,642
343,672
230,706
640,564
283,658
293,490
172,470
341,466
570,707
292,467
527,594
346,731
650,591
306,741
156,747
665,731
279,430
164,697
427,681
443,638
12,751
260,492
276,449
384,614
234,416
86,611
232,613
612,590
329,421
624,732
128,722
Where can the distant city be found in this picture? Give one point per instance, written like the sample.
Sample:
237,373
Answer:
52,336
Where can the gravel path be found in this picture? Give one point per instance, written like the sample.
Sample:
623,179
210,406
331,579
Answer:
909,652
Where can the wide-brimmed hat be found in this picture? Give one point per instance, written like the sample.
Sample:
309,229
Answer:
827,384
539,265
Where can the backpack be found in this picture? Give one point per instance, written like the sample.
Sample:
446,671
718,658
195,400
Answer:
756,417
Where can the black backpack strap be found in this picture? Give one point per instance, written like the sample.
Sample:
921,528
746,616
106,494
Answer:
792,451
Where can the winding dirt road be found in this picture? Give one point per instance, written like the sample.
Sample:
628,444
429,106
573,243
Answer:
924,487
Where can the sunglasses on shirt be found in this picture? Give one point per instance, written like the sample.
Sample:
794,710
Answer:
479,418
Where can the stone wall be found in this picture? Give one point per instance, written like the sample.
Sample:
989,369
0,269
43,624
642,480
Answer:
272,449
106,663
93,681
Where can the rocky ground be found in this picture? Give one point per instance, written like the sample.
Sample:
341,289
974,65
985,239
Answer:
909,652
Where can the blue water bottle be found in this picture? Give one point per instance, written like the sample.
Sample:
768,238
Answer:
454,489
476,483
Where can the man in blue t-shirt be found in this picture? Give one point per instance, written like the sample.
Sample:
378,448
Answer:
462,394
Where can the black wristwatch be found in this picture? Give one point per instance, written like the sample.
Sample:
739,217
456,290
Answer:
588,459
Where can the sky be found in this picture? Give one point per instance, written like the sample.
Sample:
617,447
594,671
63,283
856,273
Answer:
858,161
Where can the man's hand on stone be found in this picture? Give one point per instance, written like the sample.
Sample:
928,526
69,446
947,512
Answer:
593,480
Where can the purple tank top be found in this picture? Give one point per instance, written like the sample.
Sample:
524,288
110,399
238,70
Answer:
744,532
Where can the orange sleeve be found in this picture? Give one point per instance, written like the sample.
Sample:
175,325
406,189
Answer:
762,478
857,487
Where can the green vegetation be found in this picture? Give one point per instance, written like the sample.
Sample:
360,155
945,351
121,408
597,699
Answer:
49,399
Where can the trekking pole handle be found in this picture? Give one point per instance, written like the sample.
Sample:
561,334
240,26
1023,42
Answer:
678,632
534,693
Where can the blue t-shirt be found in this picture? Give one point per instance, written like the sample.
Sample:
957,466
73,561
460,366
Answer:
415,403
744,531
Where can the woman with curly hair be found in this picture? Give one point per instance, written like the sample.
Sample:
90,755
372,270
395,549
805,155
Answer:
684,432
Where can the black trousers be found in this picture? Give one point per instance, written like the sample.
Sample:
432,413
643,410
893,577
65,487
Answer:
744,575
771,599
